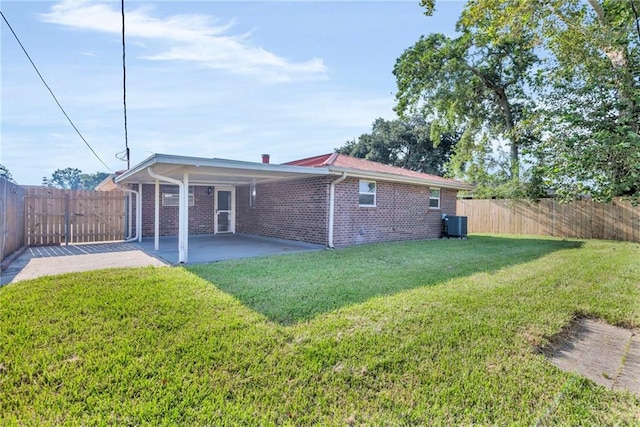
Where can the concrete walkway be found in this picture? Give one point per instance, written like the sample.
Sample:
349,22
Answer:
608,355
51,260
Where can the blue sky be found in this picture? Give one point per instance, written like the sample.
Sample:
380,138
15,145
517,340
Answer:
204,78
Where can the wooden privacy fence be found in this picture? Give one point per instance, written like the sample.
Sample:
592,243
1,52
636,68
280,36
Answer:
583,219
54,216
11,218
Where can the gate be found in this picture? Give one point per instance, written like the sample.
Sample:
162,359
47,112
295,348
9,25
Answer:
54,216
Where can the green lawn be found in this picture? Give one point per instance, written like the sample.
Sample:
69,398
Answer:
419,333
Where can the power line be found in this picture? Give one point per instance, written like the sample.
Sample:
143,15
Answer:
51,92
124,89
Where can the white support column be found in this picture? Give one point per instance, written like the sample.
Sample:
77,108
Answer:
181,248
182,212
185,225
156,219
139,214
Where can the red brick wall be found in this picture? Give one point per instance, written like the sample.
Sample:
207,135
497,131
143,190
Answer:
296,210
448,201
299,210
401,213
200,214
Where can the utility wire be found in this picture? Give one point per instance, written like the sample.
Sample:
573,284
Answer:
51,92
124,89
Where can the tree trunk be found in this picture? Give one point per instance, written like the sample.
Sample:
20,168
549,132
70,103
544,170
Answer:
505,106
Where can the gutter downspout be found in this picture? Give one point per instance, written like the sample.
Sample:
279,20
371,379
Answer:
138,235
182,246
332,196
129,210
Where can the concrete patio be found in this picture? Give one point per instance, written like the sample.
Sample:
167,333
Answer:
220,247
51,260
41,261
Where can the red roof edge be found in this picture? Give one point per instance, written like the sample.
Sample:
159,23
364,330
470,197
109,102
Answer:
315,161
367,166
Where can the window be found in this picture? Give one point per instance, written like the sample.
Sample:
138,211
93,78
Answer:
367,195
434,198
252,196
173,199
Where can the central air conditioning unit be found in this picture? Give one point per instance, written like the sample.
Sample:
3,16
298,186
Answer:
454,226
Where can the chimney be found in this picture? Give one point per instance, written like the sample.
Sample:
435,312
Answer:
265,158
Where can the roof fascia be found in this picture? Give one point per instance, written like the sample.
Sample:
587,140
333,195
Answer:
149,161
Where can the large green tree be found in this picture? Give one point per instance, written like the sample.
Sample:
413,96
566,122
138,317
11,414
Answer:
588,88
68,178
403,143
476,85
74,179
89,181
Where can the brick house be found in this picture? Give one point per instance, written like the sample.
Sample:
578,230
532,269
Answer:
333,199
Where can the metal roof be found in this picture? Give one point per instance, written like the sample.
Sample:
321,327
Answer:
211,171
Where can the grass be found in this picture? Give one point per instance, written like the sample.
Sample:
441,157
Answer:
436,332
290,289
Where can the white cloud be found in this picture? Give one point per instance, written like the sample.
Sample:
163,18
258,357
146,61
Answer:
194,38
173,106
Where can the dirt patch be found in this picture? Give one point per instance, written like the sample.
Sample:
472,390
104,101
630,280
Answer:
608,355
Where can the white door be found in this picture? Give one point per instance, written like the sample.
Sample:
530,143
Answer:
225,215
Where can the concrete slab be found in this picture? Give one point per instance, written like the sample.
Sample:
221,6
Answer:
220,247
630,374
608,355
51,260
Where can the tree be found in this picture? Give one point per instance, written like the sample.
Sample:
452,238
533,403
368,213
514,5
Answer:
588,89
68,178
405,144
474,85
594,146
74,179
5,174
89,181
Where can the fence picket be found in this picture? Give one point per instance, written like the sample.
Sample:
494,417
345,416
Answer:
93,216
583,219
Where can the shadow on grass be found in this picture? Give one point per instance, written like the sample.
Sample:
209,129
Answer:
291,288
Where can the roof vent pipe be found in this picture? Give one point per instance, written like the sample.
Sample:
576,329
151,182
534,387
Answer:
265,158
